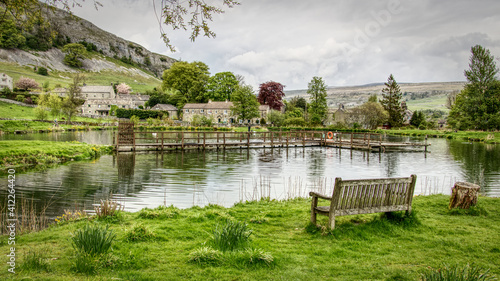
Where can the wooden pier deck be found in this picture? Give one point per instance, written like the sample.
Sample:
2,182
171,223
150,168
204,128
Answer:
130,140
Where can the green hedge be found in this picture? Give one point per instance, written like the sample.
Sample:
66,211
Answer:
142,114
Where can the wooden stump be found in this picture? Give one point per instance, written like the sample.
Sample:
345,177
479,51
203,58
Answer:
463,195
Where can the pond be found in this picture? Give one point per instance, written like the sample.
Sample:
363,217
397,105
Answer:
224,177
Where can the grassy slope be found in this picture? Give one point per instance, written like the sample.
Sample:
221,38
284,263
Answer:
136,82
362,247
434,102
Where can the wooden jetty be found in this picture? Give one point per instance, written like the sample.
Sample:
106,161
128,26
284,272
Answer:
129,139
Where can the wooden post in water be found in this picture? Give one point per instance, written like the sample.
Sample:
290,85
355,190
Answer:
182,140
224,138
204,138
272,139
248,139
162,136
352,135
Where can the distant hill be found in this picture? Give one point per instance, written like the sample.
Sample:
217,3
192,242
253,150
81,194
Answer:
112,53
433,93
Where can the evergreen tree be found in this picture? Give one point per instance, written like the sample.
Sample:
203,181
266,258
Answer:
477,106
391,101
318,107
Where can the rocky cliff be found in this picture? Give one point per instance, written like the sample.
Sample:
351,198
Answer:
75,30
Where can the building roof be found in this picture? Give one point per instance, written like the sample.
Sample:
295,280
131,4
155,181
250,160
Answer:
164,107
97,89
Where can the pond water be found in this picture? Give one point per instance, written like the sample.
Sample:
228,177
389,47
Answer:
188,178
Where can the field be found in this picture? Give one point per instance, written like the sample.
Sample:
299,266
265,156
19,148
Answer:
171,244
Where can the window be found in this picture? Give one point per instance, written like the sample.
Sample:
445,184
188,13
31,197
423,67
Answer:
210,112
99,106
225,111
202,110
123,106
216,111
187,111
89,105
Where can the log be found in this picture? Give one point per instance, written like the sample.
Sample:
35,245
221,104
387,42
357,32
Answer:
464,195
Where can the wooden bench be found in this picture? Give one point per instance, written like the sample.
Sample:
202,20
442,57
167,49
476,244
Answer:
363,196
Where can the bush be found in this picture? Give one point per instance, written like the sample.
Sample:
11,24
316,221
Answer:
142,114
20,98
93,240
231,235
42,71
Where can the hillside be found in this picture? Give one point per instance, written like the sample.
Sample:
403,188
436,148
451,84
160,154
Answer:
112,55
417,95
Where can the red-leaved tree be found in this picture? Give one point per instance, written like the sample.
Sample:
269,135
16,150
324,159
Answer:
271,93
25,83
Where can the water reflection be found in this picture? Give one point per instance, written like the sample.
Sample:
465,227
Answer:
187,178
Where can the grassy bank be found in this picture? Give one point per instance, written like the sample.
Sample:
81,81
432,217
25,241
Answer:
481,136
23,155
173,244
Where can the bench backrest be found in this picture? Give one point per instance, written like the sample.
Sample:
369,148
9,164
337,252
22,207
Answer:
352,197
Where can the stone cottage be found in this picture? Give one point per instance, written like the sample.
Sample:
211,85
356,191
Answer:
219,111
6,81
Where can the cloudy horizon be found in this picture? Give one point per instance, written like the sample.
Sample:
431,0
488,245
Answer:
344,42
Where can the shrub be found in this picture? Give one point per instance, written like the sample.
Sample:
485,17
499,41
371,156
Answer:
123,89
457,273
20,98
42,71
93,240
231,235
134,119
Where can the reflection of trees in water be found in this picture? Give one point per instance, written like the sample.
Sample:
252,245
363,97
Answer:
270,161
316,162
479,161
391,164
125,161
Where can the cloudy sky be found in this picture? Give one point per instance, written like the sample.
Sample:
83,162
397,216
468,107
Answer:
345,42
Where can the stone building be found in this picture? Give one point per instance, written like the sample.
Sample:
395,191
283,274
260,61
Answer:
170,109
6,82
99,99
219,111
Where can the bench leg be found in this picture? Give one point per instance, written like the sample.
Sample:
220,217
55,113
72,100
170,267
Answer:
314,203
331,221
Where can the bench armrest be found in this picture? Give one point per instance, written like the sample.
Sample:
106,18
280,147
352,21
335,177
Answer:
314,194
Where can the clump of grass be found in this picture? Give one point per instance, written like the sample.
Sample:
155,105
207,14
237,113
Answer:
139,233
231,235
256,257
93,240
458,273
108,208
160,212
91,243
35,261
259,220
206,256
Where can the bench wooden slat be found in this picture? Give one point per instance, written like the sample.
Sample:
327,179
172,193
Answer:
365,196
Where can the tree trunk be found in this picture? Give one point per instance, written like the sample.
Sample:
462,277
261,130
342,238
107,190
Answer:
463,195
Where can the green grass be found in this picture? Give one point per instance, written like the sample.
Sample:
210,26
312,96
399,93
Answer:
487,137
22,155
138,83
284,246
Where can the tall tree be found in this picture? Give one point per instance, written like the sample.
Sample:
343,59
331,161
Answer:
190,79
271,93
221,86
318,107
477,106
391,101
245,104
73,99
